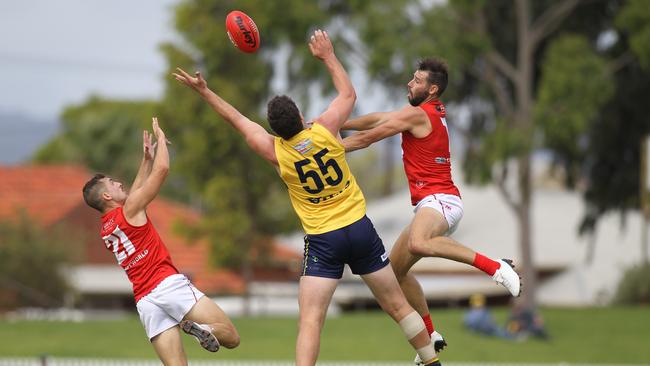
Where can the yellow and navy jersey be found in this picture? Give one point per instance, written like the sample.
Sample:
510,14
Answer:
322,189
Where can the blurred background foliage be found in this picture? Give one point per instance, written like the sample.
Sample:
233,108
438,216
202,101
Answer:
104,135
30,275
564,78
634,287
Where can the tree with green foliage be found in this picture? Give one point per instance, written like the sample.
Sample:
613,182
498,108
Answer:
102,135
634,22
242,198
534,75
634,286
32,264
612,170
529,83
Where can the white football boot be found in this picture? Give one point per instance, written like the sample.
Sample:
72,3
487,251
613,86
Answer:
507,277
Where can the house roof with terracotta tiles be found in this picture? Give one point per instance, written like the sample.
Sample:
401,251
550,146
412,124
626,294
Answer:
46,193
51,195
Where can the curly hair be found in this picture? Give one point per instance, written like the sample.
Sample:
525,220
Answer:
284,116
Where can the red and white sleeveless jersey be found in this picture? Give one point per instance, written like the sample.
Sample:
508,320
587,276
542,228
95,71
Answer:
139,251
427,161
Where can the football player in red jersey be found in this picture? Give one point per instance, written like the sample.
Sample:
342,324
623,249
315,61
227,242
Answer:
164,297
427,163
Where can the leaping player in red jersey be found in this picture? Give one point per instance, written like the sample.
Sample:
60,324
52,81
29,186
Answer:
427,163
164,297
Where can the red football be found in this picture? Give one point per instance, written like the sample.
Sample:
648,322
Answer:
242,31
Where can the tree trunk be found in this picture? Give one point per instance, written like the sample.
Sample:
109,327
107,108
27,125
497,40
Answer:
529,36
527,265
524,122
644,197
591,246
645,257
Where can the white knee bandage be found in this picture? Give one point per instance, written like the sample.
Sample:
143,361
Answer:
411,325
426,353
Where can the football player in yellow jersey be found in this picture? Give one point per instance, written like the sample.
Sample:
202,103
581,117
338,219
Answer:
311,161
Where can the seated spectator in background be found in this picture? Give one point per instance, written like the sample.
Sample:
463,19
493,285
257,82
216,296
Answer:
479,319
524,323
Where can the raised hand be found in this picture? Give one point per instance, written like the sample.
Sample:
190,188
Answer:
320,45
157,131
147,146
195,82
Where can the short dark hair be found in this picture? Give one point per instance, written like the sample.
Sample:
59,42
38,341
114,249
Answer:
284,116
93,192
437,69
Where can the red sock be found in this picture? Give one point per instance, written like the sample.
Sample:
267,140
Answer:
428,323
485,264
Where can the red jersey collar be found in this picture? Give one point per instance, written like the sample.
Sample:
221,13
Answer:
437,105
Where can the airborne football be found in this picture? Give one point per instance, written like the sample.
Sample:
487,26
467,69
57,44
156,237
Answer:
242,31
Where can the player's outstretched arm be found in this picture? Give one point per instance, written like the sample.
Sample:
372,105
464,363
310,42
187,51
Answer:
341,107
256,136
390,123
365,122
140,197
147,160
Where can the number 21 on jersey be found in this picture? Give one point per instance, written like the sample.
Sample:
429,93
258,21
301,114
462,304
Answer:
119,244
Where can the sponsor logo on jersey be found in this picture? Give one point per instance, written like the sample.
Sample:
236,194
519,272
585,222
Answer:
384,257
442,160
317,200
136,260
109,225
303,146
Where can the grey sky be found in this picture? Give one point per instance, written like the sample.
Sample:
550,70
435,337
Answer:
53,53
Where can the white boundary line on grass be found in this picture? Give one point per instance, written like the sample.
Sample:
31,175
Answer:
62,361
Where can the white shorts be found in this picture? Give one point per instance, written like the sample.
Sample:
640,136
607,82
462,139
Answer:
167,304
450,206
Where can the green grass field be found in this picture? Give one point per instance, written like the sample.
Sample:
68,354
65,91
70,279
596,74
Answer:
593,335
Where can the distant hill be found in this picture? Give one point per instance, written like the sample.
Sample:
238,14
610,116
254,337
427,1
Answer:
20,136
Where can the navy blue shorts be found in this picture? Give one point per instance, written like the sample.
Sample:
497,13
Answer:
356,245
